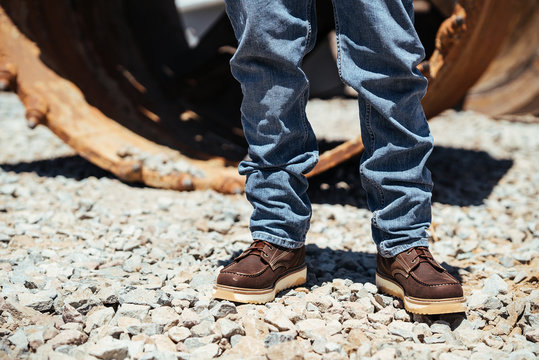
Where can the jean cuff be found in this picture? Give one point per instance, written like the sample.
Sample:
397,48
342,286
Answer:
395,250
276,240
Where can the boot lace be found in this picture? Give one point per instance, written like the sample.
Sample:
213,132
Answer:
256,248
422,255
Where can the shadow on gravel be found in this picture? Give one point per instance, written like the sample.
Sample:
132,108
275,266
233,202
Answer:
461,177
326,264
72,167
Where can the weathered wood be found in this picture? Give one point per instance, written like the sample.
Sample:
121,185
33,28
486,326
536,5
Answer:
510,84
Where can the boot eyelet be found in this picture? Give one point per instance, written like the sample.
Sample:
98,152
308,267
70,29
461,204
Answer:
413,261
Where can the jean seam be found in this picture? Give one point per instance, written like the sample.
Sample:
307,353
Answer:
304,121
371,135
302,99
368,111
339,43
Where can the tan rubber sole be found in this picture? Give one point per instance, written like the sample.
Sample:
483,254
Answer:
257,296
421,306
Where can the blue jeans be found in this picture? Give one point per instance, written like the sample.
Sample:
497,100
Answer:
378,51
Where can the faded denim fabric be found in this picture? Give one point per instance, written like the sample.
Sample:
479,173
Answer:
378,51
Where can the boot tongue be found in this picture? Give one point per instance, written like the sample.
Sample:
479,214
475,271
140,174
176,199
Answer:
422,253
256,247
252,260
259,244
254,251
424,256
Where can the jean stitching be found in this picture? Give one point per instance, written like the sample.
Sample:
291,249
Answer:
302,99
262,235
398,249
368,125
375,184
309,21
339,43
371,135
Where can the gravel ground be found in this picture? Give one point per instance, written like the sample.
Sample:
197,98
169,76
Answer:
91,267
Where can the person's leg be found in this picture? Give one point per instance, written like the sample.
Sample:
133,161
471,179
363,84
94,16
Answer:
273,38
378,54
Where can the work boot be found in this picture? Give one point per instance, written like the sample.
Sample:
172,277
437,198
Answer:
420,282
260,272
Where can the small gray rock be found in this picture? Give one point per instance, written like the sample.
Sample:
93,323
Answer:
402,329
97,318
68,337
333,347
35,336
319,346
139,296
229,328
370,287
495,285
83,300
312,328
133,310
19,339
521,275
523,257
151,329
440,327
193,343
109,348
39,302
133,264
165,315
208,351
186,294
108,295
380,317
223,308
493,303
383,300
434,339
72,326
178,333
277,338
235,339
189,318
402,315
522,354
478,299
532,335
205,328
276,317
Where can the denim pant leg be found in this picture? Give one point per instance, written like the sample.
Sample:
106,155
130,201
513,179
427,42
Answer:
273,38
378,54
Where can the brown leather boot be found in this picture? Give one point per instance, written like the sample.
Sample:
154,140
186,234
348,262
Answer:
420,282
260,272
